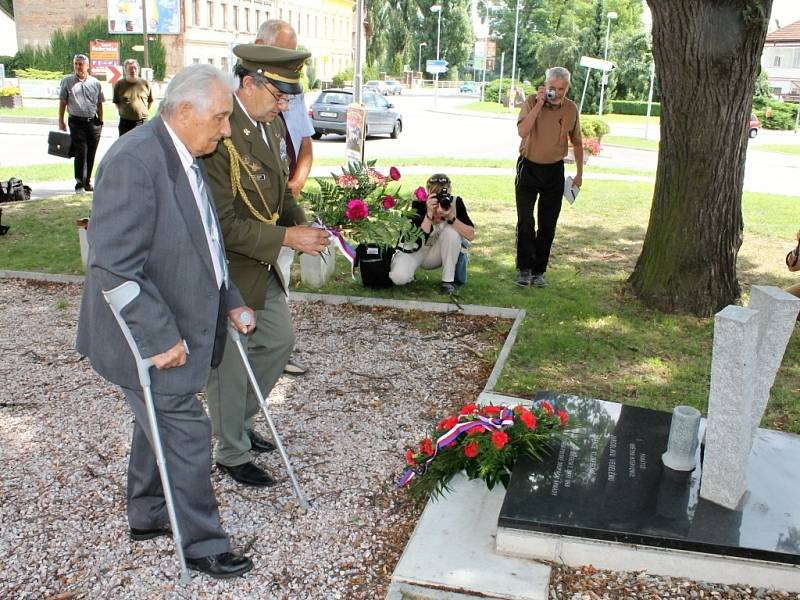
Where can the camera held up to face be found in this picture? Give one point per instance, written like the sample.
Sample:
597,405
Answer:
550,94
444,199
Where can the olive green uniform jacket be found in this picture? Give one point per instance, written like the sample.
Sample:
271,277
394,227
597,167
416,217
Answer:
252,246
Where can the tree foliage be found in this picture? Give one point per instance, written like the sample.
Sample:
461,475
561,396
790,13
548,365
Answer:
400,26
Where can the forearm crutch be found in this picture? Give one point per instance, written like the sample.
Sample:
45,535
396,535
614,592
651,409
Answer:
117,299
236,338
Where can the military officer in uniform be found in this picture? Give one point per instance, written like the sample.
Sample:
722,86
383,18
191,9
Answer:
258,214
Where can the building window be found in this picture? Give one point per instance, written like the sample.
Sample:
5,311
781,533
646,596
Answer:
316,25
308,24
224,15
247,19
776,62
280,13
796,59
224,63
211,61
258,19
196,12
196,61
210,14
235,18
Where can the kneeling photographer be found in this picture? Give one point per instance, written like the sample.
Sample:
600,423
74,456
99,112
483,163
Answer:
447,230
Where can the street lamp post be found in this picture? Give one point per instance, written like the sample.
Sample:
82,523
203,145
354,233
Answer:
604,78
419,62
513,91
437,8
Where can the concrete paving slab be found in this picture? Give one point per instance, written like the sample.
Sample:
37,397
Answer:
452,554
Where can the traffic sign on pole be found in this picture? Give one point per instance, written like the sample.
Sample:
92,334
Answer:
436,66
597,63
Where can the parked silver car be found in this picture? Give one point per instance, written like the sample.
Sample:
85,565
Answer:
329,113
393,87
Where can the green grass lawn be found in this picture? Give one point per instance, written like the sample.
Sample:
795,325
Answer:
780,148
62,171
585,334
109,111
630,142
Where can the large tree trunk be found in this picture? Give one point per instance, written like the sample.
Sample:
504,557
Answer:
707,56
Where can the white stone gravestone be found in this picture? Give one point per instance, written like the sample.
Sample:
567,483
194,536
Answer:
749,344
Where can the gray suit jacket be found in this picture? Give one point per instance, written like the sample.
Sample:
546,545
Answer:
145,227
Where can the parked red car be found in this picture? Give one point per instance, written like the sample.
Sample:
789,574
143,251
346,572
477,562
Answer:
753,126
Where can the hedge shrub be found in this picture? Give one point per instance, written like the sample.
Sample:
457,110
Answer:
634,107
493,89
593,127
784,114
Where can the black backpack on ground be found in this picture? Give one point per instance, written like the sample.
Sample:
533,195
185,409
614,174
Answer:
14,190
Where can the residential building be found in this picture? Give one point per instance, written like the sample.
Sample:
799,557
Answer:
210,28
781,60
8,34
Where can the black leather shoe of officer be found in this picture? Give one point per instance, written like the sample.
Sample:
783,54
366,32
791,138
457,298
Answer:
221,566
258,443
248,474
139,535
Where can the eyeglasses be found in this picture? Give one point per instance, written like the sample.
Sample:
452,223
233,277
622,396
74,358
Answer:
279,98
438,179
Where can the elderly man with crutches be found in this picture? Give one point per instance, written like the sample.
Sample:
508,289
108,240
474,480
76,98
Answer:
157,260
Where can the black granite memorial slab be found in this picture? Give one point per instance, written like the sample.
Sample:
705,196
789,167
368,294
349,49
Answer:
607,482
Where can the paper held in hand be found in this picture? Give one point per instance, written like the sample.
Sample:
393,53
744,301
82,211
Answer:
570,190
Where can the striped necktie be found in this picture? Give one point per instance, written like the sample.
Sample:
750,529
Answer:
212,230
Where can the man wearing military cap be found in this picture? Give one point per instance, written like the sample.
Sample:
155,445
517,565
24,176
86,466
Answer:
258,215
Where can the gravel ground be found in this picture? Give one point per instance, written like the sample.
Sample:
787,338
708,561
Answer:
64,436
65,433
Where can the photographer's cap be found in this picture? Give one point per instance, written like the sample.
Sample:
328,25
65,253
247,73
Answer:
280,66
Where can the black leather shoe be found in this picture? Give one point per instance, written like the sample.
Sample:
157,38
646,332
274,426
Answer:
258,443
139,535
221,566
248,474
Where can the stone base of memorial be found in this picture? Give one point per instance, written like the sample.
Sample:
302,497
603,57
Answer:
606,483
315,271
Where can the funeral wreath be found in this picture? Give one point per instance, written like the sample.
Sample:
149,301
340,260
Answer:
484,441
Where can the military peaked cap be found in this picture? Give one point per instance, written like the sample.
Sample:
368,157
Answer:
281,66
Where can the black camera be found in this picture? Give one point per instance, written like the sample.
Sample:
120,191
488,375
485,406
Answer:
444,199
550,95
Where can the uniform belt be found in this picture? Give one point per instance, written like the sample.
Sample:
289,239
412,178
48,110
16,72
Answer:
84,119
137,121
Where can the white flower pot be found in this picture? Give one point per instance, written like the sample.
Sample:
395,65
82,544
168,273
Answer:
315,271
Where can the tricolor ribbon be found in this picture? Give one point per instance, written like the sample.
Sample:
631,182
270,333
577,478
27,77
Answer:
469,423
346,249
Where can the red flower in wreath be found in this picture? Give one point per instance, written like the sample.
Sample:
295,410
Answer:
471,450
528,418
388,202
394,173
426,446
468,409
447,424
490,410
499,439
563,417
547,407
410,457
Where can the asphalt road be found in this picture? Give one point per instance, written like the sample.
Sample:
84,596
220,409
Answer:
433,126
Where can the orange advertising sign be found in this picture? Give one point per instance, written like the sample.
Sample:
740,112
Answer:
103,53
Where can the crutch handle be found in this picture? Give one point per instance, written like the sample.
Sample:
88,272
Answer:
235,333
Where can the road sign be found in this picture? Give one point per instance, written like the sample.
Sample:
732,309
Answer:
113,74
597,63
436,66
138,48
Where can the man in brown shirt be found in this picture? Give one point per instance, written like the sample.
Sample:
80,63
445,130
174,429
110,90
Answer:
133,97
545,123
